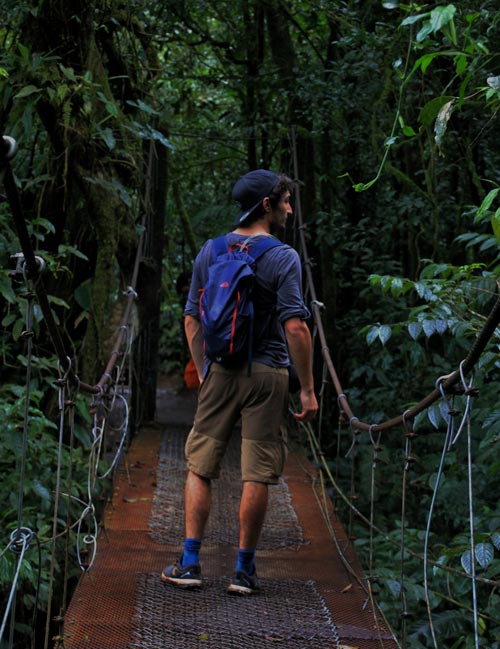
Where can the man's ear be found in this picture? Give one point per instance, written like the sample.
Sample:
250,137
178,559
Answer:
266,204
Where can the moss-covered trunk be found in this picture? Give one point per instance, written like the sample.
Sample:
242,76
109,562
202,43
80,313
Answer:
95,165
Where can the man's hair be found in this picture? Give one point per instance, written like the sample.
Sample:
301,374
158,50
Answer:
284,184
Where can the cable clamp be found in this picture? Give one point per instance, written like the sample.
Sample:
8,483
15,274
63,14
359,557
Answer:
21,264
64,373
20,539
408,426
40,263
355,431
469,389
130,292
9,149
19,257
442,379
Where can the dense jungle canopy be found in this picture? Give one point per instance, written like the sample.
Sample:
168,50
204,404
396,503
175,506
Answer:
134,118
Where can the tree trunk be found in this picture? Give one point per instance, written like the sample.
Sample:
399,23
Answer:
149,285
92,195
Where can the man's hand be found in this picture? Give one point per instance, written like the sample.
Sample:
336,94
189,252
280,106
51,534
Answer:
309,406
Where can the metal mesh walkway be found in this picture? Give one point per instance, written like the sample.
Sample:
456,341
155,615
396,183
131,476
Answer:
281,529
309,598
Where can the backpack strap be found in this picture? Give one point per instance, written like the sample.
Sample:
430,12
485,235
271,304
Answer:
261,246
255,251
220,245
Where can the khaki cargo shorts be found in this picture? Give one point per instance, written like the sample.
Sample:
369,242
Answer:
262,401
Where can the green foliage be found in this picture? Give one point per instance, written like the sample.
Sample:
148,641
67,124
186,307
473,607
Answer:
41,455
394,105
450,302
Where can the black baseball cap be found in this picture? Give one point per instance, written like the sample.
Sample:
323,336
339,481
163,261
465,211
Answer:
251,189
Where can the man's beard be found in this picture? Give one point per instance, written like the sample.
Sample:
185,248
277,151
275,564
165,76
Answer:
277,229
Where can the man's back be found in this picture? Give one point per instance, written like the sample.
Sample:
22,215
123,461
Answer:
277,295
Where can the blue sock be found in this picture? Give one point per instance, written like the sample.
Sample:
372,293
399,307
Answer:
245,560
191,552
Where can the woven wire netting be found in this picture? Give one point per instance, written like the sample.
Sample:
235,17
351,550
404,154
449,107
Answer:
288,612
281,528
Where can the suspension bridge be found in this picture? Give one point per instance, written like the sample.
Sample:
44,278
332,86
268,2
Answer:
315,592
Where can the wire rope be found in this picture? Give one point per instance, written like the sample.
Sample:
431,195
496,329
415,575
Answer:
471,529
408,436
124,431
20,536
71,423
376,450
448,437
467,418
61,383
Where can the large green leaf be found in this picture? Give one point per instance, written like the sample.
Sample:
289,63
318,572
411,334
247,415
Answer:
439,18
466,561
484,554
27,91
384,333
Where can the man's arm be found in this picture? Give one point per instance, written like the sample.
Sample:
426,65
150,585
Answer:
192,327
299,342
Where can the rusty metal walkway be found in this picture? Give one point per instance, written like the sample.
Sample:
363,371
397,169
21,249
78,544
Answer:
309,599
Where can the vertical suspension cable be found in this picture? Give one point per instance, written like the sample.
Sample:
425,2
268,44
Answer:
352,495
18,538
448,438
471,530
71,422
408,459
62,382
469,391
338,449
376,450
28,335
321,405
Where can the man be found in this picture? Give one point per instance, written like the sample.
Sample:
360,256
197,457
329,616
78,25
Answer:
261,398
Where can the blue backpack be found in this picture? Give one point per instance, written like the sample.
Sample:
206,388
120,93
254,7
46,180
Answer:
226,304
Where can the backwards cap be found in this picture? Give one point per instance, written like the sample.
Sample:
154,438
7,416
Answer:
251,189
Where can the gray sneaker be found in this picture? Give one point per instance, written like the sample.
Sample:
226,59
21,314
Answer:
187,577
243,583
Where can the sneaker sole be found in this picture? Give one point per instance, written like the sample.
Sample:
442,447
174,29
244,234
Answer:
241,590
182,583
